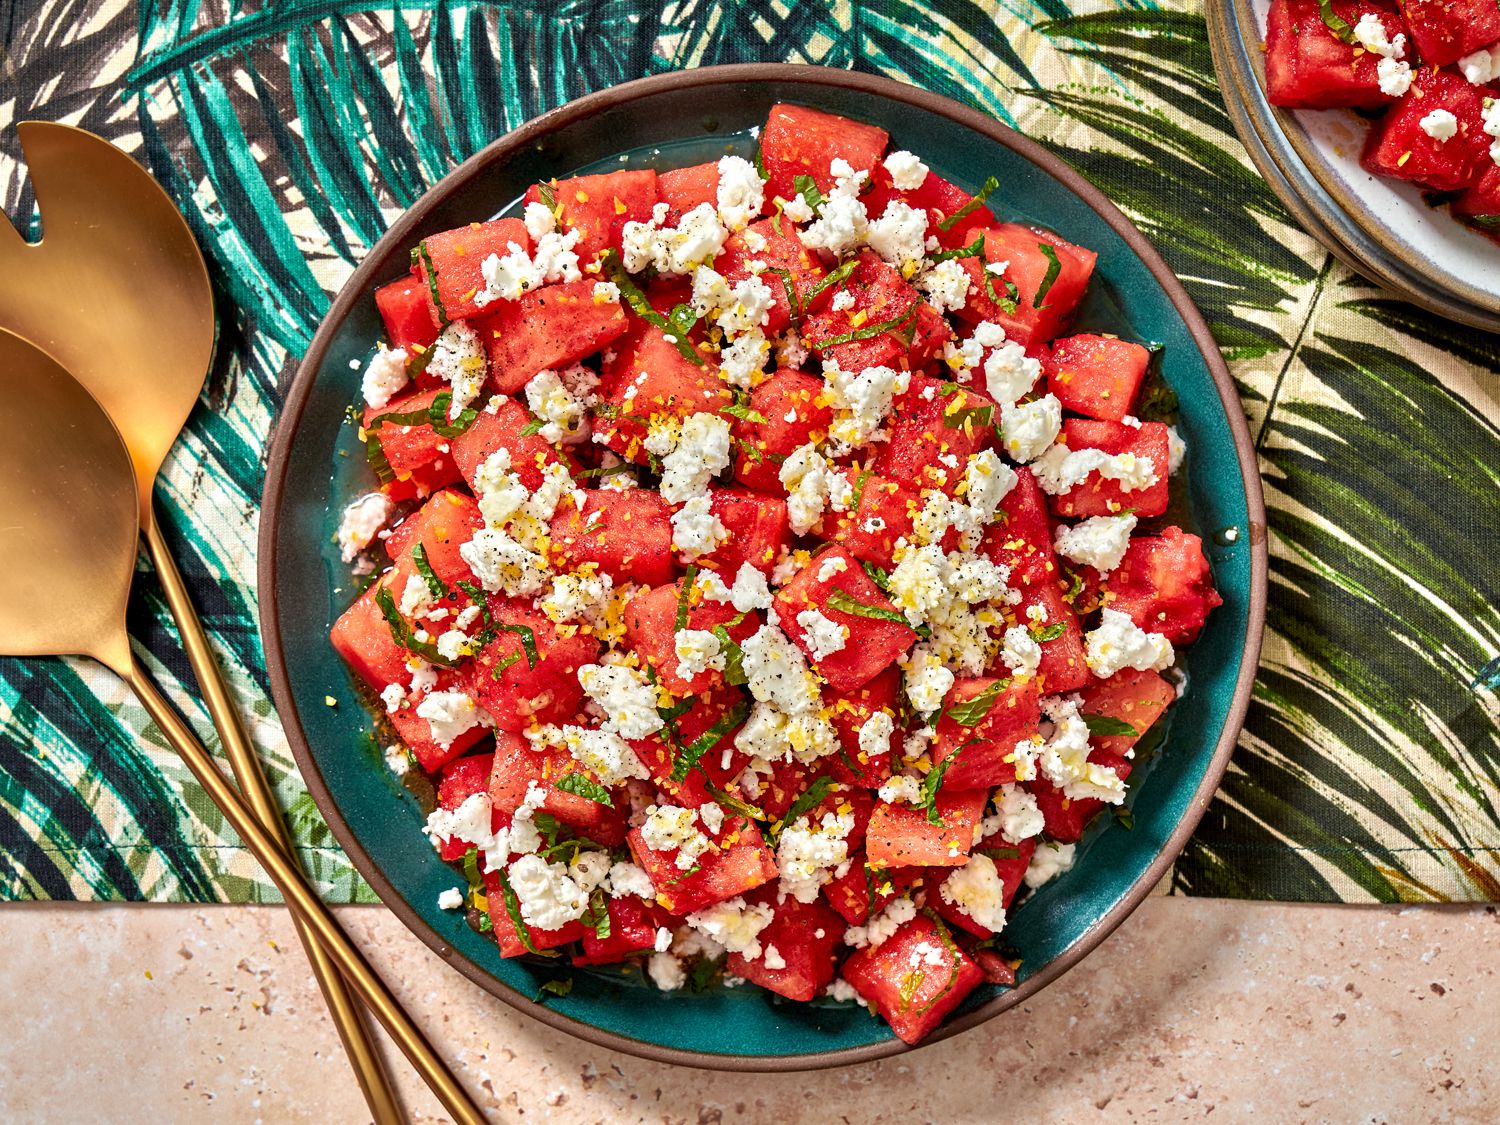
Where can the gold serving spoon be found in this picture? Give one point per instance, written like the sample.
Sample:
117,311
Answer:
77,558
118,292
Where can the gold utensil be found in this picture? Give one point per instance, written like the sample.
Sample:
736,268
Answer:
118,292
69,522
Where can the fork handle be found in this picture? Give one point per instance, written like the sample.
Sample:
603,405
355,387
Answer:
303,902
363,1055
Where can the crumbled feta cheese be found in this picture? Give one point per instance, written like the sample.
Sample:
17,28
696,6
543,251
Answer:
899,236
777,673
745,307
750,590
695,529
860,403
842,990
547,895
361,522
628,702
1061,469
507,277
807,853
1099,541
1491,118
385,375
1028,429
1119,643
578,597
670,826
989,481
604,754
450,714
458,359
901,788
927,681
555,259
773,958
741,191
734,924
831,566
743,361
1440,125
1009,373
908,173
1064,758
539,220
1394,77
822,635
562,400
1371,34
606,293
811,482
875,735
698,651
451,899
1048,862
666,971
503,565
841,224
842,301
1020,651
1481,67
1020,816
701,453
697,238
1176,451
978,890
397,758
947,285
468,824
626,879
877,930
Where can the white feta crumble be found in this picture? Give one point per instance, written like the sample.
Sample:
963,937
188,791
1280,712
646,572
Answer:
578,597
1009,373
695,529
750,590
539,220
831,566
860,402
811,482
977,889
604,754
361,522
555,259
561,400
671,826
1061,469
1119,643
743,361
841,223
1371,34
507,277
1491,117
773,958
698,651
1481,67
701,452
1394,77
1048,862
503,565
451,899
822,635
901,789
842,301
947,285
908,173
1099,541
927,680
468,824
899,236
741,191
697,238
1064,758
628,702
458,359
547,895
626,879
1019,815
666,971
1440,125
1020,651
1028,429
1176,451
450,714
807,853
385,375
877,930
734,924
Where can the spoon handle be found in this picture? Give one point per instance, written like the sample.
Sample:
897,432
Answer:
303,902
363,1056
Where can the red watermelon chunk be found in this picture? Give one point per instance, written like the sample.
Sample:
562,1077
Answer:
940,199
882,514
851,710
650,629
627,534
1096,375
632,929
682,189
1165,585
508,938
862,891
502,425
1308,66
914,335
1447,30
1063,667
872,640
759,531
518,692
547,329
739,862
599,206
1022,538
456,258
1398,146
1026,251
799,141
1480,205
460,780
795,408
791,270
649,378
935,433
363,639
982,720
914,978
518,766
802,940
1101,496
1135,698
406,310
901,836
415,452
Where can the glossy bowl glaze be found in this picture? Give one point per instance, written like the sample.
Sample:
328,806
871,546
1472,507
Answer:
678,119
1379,227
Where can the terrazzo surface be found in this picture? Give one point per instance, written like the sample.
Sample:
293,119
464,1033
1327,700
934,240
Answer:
1194,1008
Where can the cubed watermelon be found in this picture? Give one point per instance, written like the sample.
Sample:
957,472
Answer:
888,325
521,684
796,411
1135,698
1309,67
1399,146
450,264
415,452
739,862
599,206
406,311
914,978
851,710
547,329
651,630
518,766
628,535
1447,30
901,836
502,425
1165,585
1045,270
791,270
759,531
802,940
981,722
1099,495
1096,375
800,141
937,427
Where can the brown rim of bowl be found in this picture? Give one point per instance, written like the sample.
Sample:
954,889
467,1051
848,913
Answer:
356,289
1441,294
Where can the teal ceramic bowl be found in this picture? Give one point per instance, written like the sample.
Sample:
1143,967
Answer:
680,119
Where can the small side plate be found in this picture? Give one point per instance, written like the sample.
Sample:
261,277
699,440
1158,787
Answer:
1381,228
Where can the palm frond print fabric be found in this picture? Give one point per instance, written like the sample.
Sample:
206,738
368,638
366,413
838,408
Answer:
291,134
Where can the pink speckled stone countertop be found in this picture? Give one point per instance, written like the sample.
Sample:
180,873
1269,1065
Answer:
1261,1011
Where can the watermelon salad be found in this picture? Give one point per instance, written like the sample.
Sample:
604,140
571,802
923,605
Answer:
769,585
1427,71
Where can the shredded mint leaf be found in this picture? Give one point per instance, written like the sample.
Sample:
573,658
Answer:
743,410
548,196
1124,817
435,585
834,278
684,596
974,249
807,188
535,426
760,166
402,633
436,416
878,575
596,917
1053,269
690,754
499,670
734,657
978,415
934,782
1041,634
1336,24
581,785
554,988
989,185
639,305
425,258
971,712
1107,726
810,798
843,600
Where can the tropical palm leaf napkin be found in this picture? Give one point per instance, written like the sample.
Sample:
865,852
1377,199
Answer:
292,133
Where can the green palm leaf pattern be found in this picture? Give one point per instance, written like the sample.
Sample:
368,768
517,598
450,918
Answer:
292,134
